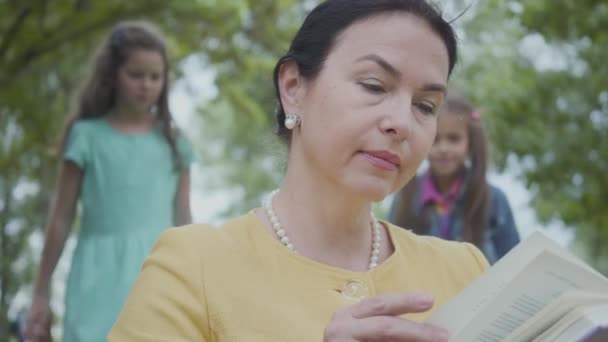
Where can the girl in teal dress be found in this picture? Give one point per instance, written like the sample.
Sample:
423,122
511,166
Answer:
124,161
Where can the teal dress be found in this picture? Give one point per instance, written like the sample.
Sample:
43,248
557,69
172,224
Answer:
127,197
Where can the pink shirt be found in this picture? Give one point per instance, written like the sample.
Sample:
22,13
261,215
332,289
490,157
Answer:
443,203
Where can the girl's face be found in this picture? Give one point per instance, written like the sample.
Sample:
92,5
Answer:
140,80
451,146
369,117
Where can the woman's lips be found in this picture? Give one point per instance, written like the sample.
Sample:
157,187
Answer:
383,159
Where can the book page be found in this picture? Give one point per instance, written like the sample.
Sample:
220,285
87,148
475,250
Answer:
577,324
543,281
554,312
501,301
464,308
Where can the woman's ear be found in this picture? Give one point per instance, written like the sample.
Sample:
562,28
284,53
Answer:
292,87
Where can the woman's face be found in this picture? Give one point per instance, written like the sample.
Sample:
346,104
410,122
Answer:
369,117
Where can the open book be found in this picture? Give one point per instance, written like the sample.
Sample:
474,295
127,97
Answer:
537,292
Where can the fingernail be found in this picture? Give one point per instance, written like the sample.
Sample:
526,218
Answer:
441,335
424,299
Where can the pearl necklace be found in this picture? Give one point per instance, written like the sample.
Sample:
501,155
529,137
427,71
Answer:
282,235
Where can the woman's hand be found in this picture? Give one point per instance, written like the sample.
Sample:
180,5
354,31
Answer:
38,327
377,319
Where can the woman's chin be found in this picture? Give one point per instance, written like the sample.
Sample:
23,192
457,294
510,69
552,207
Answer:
372,192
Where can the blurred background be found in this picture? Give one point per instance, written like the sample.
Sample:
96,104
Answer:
536,69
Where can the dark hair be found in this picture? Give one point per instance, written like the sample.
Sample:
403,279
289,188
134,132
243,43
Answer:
476,197
321,28
98,94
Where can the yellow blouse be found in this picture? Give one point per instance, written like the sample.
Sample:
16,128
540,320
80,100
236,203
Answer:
238,283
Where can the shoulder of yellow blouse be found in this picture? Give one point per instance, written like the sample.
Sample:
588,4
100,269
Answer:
210,239
433,247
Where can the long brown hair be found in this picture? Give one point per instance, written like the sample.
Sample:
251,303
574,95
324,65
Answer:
476,197
98,94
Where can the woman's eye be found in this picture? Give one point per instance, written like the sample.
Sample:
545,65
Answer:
426,108
373,87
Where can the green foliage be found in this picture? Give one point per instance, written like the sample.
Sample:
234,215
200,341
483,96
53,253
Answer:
239,120
539,75
44,49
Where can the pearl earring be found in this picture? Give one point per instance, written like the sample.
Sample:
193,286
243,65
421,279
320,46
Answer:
292,121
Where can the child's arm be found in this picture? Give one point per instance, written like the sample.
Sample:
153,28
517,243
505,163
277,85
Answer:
183,214
506,235
60,220
57,230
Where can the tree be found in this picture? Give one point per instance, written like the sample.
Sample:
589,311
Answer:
539,74
244,156
43,47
